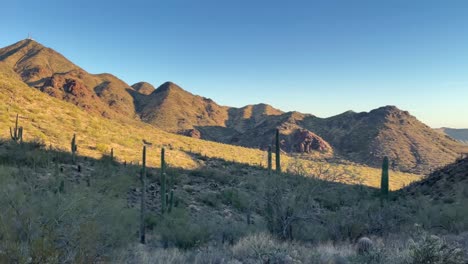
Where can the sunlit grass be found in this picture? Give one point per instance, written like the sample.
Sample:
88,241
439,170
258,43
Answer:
54,122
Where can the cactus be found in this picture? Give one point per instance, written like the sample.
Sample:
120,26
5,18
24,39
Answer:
62,186
269,160
143,202
171,201
278,150
364,245
112,154
16,133
163,182
74,148
384,183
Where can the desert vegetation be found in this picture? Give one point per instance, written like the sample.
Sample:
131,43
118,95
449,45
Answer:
78,185
96,136
56,211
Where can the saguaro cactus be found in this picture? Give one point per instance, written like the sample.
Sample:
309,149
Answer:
163,182
278,153
16,133
74,148
384,183
269,160
143,200
171,201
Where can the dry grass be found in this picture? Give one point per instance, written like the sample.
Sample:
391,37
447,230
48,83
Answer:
54,122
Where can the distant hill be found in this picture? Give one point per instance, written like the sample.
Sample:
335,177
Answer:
387,131
458,134
358,137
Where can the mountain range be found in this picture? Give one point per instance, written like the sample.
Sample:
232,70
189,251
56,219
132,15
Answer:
460,134
358,137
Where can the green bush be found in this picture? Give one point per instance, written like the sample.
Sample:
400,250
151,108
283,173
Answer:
235,198
177,229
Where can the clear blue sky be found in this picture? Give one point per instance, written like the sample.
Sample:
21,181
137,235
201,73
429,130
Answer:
319,57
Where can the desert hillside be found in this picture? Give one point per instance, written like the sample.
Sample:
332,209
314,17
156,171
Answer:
363,138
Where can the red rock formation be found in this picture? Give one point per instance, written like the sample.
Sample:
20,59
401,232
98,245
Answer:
194,133
306,142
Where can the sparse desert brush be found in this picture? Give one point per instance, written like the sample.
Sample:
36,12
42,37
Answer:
127,137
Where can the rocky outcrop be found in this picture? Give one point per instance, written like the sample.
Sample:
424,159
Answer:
62,85
305,141
194,133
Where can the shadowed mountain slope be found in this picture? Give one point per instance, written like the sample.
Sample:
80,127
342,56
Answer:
445,183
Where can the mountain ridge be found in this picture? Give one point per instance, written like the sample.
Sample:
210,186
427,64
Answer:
460,134
364,137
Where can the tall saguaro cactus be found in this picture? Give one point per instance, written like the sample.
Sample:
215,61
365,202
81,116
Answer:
278,153
163,182
74,148
16,133
269,160
171,201
385,178
143,198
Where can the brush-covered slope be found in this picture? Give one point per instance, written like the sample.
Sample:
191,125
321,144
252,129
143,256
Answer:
445,183
173,109
363,137
387,131
455,133
54,121
168,107
360,137
52,73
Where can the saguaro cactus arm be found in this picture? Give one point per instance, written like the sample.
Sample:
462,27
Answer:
16,133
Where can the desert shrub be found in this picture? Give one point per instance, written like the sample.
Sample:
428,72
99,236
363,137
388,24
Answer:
231,231
435,250
102,148
285,209
235,198
376,255
29,154
211,199
177,229
47,226
260,248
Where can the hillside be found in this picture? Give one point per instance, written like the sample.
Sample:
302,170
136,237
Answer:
50,72
447,183
226,207
363,138
458,134
223,210
387,131
54,122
